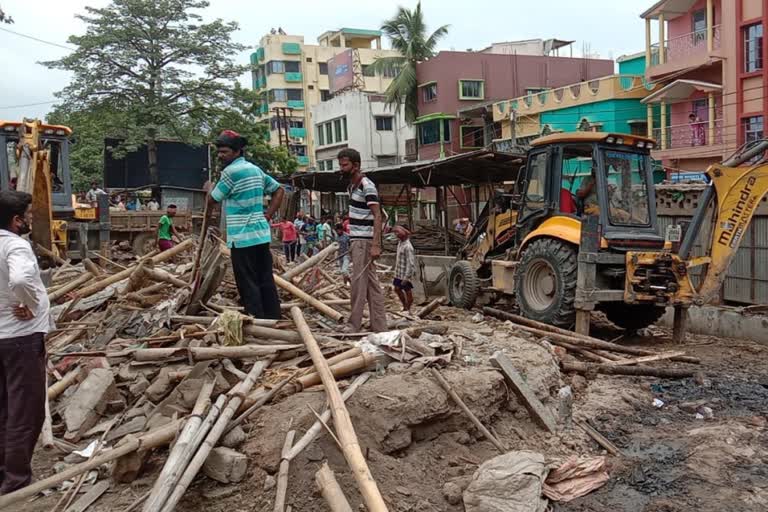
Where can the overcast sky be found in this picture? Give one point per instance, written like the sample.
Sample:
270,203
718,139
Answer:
609,27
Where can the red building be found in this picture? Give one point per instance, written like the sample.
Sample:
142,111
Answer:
457,91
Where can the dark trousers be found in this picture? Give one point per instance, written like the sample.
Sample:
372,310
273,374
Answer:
290,249
22,407
253,274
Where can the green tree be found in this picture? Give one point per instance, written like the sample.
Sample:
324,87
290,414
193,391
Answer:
157,64
407,33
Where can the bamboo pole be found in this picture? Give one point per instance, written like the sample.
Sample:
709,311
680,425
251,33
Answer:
347,354
47,433
282,476
286,306
474,419
125,274
92,267
340,370
152,439
260,402
208,353
315,303
157,274
311,262
169,484
70,287
156,498
429,308
555,333
57,388
317,427
208,320
236,398
344,428
610,369
330,490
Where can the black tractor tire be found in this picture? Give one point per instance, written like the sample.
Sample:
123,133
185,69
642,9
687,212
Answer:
545,282
144,243
632,316
463,285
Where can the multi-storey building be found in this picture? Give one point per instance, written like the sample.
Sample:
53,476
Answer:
362,121
611,103
458,89
708,63
291,77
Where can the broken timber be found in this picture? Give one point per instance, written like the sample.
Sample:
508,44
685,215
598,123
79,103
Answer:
524,393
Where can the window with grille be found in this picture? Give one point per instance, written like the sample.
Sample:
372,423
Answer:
384,123
391,71
753,48
429,132
295,94
429,92
325,95
752,128
323,67
471,90
472,137
368,70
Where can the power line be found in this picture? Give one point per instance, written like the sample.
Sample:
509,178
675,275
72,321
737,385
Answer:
33,38
8,107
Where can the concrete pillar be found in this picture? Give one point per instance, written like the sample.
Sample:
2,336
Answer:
442,137
647,42
663,141
649,117
662,42
711,105
710,27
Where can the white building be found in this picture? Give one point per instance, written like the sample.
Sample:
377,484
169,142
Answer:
361,121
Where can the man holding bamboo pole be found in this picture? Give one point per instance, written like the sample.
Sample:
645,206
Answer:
242,188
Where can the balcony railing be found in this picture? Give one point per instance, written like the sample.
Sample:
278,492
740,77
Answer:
686,45
689,135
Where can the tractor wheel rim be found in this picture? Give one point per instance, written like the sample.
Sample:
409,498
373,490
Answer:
458,285
540,285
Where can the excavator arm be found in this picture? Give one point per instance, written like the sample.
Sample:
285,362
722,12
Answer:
738,192
35,178
735,194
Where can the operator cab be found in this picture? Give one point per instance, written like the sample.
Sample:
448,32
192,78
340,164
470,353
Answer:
592,174
54,138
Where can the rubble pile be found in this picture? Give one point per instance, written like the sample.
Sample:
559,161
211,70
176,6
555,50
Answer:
158,381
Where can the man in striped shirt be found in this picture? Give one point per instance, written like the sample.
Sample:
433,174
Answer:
242,188
365,243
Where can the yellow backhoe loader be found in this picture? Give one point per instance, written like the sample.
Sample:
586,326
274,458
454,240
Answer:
579,232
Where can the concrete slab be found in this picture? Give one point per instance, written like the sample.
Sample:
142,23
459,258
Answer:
727,322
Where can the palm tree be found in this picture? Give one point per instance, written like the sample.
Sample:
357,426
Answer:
408,35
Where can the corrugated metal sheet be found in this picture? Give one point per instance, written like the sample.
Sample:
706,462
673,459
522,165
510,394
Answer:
747,277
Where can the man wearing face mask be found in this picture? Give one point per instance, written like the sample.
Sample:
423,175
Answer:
24,321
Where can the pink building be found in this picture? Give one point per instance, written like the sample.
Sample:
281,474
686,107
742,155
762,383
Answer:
457,91
709,62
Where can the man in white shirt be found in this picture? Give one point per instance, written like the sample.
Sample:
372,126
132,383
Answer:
153,205
92,196
24,321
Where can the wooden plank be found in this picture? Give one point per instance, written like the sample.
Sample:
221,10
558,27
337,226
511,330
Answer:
90,497
537,410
